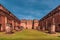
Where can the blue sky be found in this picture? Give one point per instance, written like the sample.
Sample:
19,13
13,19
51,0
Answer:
30,9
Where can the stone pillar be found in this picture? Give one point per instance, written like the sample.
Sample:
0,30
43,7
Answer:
52,28
3,23
46,25
16,23
16,26
13,24
43,28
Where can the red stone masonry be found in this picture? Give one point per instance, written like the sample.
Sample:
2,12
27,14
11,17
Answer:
6,17
35,23
51,21
29,24
23,23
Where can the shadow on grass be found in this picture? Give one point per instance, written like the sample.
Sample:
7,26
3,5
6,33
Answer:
9,32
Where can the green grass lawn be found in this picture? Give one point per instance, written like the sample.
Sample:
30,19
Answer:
29,35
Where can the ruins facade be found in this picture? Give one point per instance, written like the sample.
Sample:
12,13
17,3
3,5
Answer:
51,21
7,19
29,24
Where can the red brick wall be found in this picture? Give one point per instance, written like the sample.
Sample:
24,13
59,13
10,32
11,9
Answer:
36,23
29,24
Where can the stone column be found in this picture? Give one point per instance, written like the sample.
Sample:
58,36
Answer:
13,24
52,28
43,28
46,25
3,23
16,23
16,26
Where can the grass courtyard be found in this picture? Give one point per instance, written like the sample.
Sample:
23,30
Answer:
29,35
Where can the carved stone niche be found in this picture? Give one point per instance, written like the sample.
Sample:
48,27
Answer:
8,28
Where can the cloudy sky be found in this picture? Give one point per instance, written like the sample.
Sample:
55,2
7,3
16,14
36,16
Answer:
30,9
